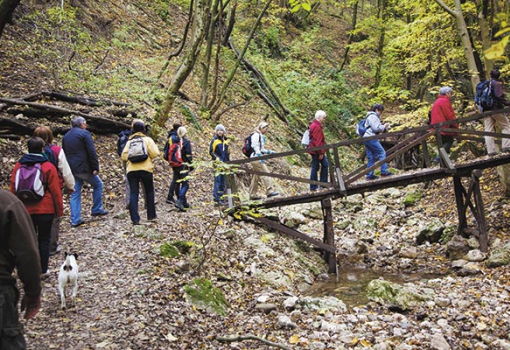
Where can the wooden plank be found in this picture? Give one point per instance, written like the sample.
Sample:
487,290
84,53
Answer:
287,177
482,228
294,233
329,235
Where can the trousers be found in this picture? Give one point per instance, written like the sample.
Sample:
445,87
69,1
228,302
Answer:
11,337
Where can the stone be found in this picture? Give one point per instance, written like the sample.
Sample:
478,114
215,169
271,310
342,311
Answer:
411,198
295,219
317,346
457,248
431,232
284,322
470,269
316,304
500,256
475,255
290,303
266,307
458,264
409,253
394,295
438,342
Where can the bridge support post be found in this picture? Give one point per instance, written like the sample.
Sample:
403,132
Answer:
329,235
463,199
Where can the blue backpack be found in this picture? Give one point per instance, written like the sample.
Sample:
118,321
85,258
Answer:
361,128
484,96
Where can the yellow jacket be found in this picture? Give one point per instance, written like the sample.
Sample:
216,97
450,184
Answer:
152,151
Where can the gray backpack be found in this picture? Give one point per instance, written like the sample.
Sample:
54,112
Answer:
137,151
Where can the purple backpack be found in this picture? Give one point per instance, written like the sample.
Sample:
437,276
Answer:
29,182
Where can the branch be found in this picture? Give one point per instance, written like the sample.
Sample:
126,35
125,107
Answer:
231,339
446,8
219,114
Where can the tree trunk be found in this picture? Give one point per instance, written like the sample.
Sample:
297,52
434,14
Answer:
380,46
188,63
6,9
464,37
349,41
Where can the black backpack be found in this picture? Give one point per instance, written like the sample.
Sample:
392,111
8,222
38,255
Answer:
123,139
484,96
247,148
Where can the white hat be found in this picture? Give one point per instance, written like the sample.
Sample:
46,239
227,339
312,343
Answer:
263,125
220,127
181,131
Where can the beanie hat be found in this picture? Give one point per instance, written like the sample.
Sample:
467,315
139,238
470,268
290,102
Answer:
444,90
220,127
263,125
181,131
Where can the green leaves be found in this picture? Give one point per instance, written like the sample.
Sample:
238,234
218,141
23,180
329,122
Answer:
296,5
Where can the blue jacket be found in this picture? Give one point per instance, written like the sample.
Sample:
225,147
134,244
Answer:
186,154
218,149
80,151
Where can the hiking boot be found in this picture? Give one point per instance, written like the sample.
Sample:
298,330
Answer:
372,177
179,205
79,223
170,200
272,194
101,213
255,198
386,174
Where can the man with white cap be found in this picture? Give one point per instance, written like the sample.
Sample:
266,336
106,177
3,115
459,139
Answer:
218,149
258,142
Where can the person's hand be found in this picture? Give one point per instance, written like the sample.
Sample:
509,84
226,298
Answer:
387,126
321,156
259,154
31,306
95,172
268,152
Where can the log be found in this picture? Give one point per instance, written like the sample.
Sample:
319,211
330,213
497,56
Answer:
101,121
83,100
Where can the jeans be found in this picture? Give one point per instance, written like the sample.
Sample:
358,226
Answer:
11,337
316,163
97,196
175,187
375,151
42,225
182,172
147,180
219,187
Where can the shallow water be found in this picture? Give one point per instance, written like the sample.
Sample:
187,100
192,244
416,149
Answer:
349,286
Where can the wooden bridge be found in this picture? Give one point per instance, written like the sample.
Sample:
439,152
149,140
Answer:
345,184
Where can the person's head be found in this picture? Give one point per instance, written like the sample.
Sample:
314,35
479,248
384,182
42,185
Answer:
138,126
377,108
495,74
44,133
35,145
220,130
445,91
79,122
263,127
320,116
176,126
181,131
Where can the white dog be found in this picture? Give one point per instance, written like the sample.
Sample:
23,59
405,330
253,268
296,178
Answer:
68,275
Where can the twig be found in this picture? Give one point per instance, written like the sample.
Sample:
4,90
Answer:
234,338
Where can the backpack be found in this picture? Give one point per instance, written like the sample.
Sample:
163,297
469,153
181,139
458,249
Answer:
123,139
247,148
484,96
50,155
137,151
29,184
166,149
175,155
305,140
361,128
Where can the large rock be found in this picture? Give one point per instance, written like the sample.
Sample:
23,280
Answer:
431,232
326,303
457,248
411,198
499,256
394,295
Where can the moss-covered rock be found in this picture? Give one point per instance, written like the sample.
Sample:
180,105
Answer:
431,232
168,250
203,295
394,295
499,256
411,198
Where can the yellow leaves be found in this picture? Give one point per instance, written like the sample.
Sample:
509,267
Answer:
365,343
497,50
294,339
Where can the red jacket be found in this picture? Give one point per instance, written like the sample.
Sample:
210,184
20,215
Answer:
442,111
52,202
316,137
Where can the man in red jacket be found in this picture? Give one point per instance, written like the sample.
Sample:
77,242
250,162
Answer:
442,111
319,158
42,211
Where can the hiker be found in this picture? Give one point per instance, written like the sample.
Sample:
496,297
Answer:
82,157
183,171
319,159
442,111
218,149
373,148
43,209
18,249
258,142
57,156
140,169
175,186
500,101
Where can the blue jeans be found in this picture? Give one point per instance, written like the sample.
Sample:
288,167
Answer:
316,163
375,151
182,172
147,180
42,225
97,196
175,187
219,187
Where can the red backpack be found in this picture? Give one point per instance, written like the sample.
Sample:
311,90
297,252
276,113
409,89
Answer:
175,155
